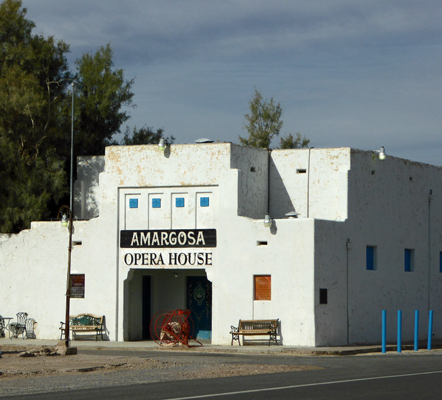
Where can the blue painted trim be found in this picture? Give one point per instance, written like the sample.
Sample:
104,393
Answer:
399,331
204,201
156,203
179,202
133,203
204,335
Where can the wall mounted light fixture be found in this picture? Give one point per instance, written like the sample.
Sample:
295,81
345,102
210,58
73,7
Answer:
63,215
162,144
268,221
382,154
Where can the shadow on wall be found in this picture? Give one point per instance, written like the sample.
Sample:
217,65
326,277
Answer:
86,187
280,201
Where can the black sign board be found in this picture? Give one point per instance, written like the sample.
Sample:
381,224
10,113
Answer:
168,238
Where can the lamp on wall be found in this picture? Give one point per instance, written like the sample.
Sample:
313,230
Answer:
382,154
162,144
63,215
268,221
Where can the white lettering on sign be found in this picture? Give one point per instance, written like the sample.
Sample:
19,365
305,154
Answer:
164,238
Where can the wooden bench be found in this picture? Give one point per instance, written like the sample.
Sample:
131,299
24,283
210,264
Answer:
85,323
255,327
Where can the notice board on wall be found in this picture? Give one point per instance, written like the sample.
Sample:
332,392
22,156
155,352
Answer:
77,286
263,287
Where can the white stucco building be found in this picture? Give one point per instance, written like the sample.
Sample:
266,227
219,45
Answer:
185,228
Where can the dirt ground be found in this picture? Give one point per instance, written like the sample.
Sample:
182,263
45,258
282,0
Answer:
21,362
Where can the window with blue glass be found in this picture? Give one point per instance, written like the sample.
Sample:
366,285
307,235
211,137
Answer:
156,203
179,202
133,203
204,202
440,262
409,260
371,258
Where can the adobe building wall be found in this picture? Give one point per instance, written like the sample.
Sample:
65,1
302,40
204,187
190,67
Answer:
347,200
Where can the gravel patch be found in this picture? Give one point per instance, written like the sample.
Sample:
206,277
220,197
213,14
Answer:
37,369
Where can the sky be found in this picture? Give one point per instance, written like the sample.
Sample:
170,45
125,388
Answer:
361,74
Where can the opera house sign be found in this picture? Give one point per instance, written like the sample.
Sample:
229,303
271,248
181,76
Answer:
180,240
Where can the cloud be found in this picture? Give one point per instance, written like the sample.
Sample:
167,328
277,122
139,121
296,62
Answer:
348,73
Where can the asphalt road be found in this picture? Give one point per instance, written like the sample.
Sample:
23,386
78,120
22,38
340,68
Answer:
391,376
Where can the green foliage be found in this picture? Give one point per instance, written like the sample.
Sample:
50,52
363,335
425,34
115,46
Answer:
102,92
264,122
31,172
145,135
289,142
35,116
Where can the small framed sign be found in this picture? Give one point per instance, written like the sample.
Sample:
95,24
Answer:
77,286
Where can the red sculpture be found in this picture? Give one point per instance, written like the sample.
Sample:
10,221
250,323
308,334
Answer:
173,328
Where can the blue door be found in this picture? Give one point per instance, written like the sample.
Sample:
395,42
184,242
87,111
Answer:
199,301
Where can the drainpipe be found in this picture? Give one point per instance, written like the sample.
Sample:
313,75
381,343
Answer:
430,197
268,180
348,245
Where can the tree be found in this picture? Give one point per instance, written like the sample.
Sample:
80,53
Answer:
31,172
35,116
289,142
145,135
102,92
264,122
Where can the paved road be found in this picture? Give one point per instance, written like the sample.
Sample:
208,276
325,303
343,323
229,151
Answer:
396,376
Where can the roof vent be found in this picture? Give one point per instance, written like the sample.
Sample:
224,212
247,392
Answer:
203,140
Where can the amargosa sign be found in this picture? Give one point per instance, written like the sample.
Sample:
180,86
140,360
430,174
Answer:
166,239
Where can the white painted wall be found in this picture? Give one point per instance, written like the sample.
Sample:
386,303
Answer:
33,271
346,194
287,257
388,208
331,274
312,182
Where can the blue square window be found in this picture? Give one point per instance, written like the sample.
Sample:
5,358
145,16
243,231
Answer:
204,202
156,203
179,202
133,203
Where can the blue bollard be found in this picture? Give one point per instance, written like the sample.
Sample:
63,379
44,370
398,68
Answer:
430,329
416,330
399,331
384,331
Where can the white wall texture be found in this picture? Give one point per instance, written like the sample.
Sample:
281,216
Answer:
341,194
389,208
